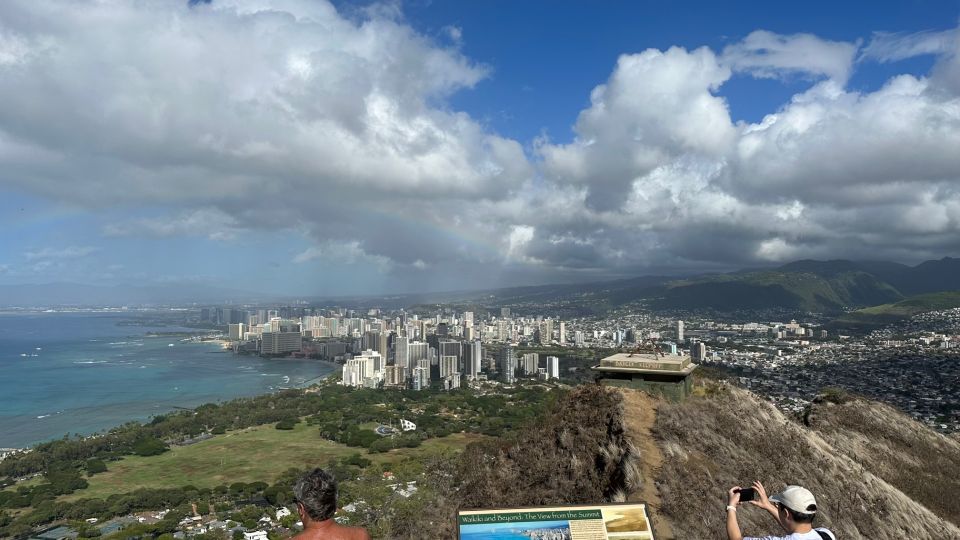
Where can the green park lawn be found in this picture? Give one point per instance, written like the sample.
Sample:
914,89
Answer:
259,453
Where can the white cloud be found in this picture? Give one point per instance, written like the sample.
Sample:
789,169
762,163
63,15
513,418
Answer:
289,116
70,252
769,55
343,253
209,222
656,107
891,47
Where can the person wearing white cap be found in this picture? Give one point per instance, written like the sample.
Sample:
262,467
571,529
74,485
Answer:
794,509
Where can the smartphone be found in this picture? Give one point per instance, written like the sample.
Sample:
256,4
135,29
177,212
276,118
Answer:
747,494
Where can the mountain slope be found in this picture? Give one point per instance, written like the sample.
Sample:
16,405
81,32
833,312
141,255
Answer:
732,437
778,289
898,311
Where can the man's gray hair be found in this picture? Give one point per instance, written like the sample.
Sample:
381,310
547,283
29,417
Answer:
317,491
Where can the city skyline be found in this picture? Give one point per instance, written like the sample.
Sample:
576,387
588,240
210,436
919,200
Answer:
374,148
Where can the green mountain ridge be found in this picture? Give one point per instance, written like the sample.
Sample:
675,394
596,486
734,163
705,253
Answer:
898,311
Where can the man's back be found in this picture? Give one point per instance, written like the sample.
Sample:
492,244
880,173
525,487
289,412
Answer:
331,530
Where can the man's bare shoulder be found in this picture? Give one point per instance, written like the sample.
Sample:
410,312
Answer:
334,532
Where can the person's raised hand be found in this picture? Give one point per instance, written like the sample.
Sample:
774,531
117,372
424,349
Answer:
761,499
733,496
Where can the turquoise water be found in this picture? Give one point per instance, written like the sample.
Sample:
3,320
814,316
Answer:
82,373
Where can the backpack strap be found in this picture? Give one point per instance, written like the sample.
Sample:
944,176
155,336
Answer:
823,535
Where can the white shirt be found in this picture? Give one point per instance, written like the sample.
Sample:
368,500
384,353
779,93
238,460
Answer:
812,535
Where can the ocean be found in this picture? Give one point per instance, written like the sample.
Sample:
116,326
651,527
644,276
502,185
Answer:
63,373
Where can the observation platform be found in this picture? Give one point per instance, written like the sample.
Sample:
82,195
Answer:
667,375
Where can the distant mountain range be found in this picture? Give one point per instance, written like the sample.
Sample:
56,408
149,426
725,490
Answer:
818,286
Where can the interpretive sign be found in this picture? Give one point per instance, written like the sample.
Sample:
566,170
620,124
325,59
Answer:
590,522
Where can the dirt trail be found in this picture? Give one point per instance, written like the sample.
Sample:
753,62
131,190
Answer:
640,411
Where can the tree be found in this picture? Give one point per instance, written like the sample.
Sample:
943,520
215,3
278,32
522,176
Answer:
287,423
95,466
149,446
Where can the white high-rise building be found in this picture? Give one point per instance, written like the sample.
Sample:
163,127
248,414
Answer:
361,370
236,331
468,319
553,367
578,338
508,364
354,372
679,331
531,361
421,377
448,365
562,338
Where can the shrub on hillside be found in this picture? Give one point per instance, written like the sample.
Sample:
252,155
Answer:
286,424
150,446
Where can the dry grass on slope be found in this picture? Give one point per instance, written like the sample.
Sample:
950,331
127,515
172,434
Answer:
576,453
918,461
732,437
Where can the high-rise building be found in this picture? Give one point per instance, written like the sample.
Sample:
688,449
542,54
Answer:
698,351
417,350
679,331
401,354
421,377
354,372
468,319
448,365
367,369
451,382
474,359
548,332
578,338
504,330
553,367
361,370
562,338
235,332
531,361
448,347
508,364
280,337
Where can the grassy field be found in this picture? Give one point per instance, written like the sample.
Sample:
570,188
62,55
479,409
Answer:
255,454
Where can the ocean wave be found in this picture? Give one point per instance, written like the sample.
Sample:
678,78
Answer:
43,416
269,374
90,362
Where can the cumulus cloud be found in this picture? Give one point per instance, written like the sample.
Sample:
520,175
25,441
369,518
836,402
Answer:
833,173
656,107
283,115
769,55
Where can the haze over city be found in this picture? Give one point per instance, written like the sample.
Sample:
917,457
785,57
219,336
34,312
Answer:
307,147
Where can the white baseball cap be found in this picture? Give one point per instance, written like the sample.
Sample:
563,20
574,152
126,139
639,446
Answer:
798,499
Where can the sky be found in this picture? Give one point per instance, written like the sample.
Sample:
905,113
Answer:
317,148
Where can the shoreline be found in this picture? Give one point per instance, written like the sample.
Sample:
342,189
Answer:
172,404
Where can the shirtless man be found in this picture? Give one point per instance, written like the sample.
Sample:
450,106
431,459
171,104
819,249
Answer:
316,494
